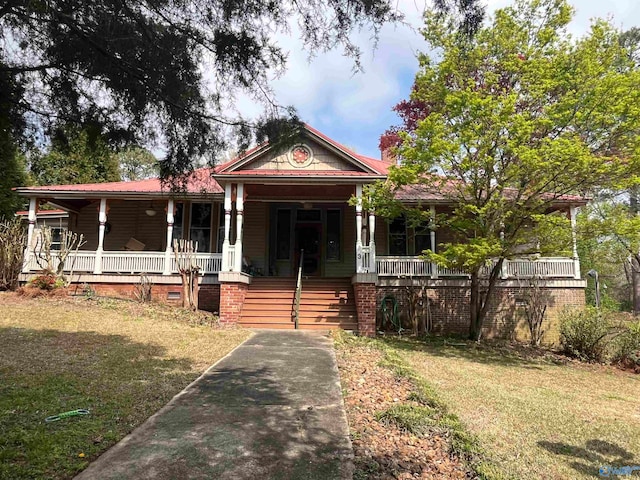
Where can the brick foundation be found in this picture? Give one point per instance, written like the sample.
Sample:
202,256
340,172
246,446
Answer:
449,308
208,295
365,296
231,301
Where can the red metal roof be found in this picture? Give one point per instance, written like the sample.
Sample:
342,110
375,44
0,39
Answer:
198,182
298,173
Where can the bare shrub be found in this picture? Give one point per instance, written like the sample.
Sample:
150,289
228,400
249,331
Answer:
54,261
13,239
142,290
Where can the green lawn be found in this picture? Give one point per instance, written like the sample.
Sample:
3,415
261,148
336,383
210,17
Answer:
536,416
120,360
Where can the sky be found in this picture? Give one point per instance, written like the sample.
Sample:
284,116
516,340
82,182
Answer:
356,108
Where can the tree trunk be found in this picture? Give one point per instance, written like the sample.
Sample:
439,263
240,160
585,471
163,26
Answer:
475,325
635,282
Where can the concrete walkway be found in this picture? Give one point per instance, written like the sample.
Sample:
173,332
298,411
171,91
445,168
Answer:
271,409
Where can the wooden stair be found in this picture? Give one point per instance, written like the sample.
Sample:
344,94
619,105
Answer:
325,303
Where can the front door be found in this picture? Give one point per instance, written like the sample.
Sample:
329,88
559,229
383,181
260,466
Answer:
308,238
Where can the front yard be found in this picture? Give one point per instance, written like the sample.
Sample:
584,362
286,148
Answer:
536,416
120,360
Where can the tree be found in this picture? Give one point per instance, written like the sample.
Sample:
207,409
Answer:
137,163
170,69
75,155
507,124
12,163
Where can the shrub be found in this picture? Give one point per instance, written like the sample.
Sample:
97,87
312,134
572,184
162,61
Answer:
12,244
584,333
626,346
47,281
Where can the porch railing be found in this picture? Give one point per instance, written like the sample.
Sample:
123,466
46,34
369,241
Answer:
545,267
128,262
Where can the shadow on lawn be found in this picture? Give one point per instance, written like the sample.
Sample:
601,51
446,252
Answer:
237,422
486,353
595,454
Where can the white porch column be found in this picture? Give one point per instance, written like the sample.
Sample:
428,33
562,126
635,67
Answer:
33,215
359,268
432,238
226,261
168,250
102,219
574,241
372,242
239,221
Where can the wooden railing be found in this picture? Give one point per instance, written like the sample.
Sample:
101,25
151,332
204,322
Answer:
365,258
296,304
544,267
128,262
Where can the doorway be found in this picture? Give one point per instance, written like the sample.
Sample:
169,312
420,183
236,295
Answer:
308,237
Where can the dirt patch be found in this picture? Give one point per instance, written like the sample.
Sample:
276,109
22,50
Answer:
382,449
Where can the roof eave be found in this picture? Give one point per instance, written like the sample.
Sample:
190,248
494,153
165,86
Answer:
84,194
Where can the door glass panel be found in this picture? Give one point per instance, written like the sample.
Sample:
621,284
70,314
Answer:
283,234
333,234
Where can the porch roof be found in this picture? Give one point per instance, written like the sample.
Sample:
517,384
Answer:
198,183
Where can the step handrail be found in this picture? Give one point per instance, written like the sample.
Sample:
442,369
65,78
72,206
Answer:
296,305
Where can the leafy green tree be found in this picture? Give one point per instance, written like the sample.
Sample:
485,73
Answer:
12,163
137,163
506,125
76,155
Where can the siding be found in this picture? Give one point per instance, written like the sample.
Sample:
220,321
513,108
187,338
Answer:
254,242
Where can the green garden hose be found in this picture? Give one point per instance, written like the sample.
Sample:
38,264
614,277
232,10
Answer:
72,413
389,309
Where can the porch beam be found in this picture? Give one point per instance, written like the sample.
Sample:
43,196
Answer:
102,220
239,222
574,240
168,250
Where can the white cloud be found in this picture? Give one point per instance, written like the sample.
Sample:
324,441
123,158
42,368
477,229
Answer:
356,108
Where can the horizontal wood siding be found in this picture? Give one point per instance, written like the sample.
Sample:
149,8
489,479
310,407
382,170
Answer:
254,243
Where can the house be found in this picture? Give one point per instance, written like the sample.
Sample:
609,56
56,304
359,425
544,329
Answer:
260,218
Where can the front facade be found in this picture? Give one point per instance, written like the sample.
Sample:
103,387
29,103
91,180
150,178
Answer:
279,244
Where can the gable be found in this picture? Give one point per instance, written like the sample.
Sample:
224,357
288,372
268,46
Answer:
320,159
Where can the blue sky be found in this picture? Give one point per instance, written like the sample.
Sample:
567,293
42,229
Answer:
355,109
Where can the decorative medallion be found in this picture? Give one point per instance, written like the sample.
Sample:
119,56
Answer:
300,156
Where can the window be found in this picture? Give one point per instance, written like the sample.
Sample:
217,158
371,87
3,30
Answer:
56,237
178,219
421,240
334,222
221,227
200,231
283,234
398,236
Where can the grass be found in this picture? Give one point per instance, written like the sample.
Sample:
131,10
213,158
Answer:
536,417
120,360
